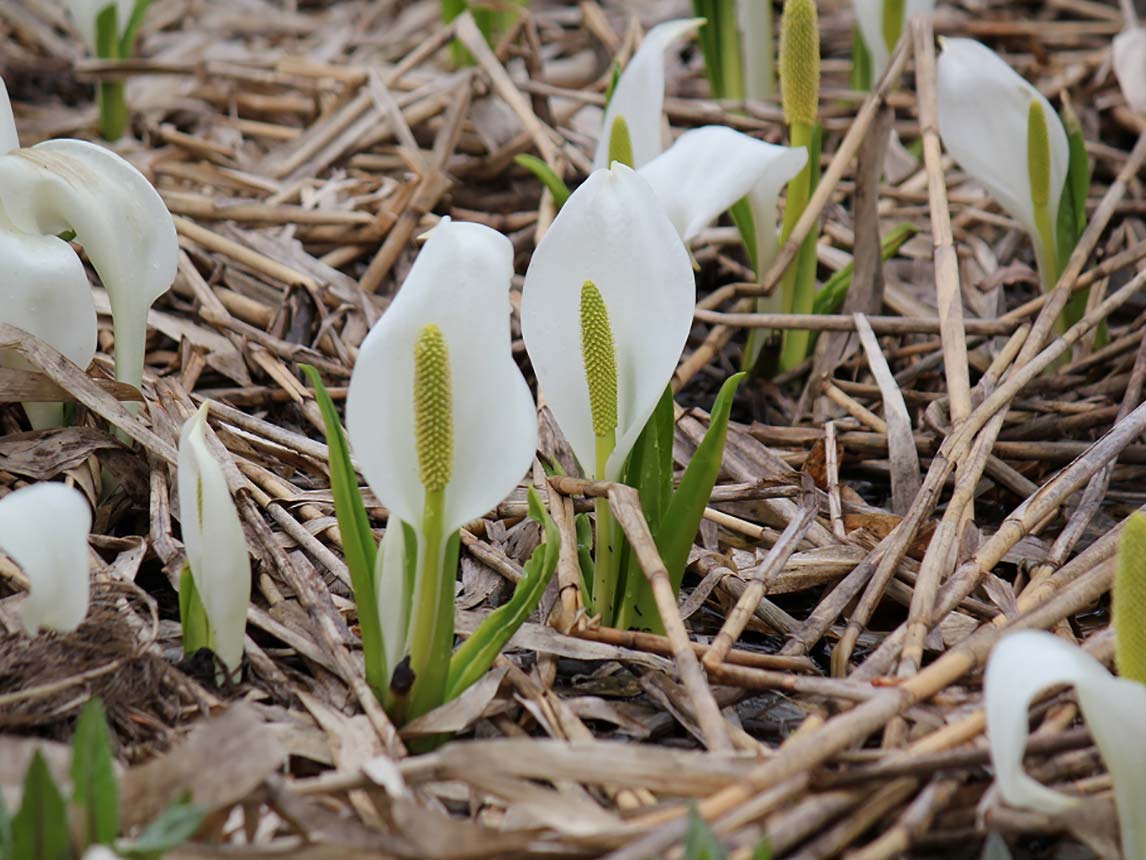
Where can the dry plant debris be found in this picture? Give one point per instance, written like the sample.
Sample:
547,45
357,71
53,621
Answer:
946,469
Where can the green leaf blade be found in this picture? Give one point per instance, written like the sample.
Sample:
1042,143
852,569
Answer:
40,828
95,789
700,843
549,179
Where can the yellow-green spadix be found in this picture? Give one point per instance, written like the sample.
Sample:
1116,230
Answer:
115,213
44,528
213,537
984,121
613,232
640,93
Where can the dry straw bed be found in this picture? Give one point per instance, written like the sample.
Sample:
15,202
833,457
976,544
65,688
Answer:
947,468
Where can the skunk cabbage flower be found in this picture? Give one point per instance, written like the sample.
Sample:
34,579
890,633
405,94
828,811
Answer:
1128,56
882,22
44,528
213,537
1006,136
708,169
85,12
610,272
443,426
115,213
1029,661
639,96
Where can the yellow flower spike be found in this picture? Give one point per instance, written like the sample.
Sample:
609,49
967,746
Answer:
800,62
1038,154
433,409
620,143
1129,599
600,357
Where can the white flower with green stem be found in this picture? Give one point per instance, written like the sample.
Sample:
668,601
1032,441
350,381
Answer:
72,186
1029,662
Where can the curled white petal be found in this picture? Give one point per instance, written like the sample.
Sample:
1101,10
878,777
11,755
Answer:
459,282
708,169
214,540
1128,56
8,138
45,292
45,527
392,593
613,232
1024,664
117,216
640,93
85,12
983,105
869,17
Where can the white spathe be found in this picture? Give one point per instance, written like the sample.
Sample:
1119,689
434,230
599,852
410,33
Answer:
45,292
44,528
612,231
213,537
640,94
708,169
1028,662
1128,56
460,283
85,12
869,17
983,106
116,214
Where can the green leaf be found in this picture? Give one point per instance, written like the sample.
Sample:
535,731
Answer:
763,850
741,213
127,38
40,828
584,527
5,829
861,62
832,294
796,343
174,826
192,614
474,657
649,467
678,527
614,79
357,538
700,843
551,180
1129,600
95,790
1071,221
709,37
107,32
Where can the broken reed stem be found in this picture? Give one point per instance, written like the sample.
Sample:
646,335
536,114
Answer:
626,507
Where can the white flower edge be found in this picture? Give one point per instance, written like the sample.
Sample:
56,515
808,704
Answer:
45,528
1128,57
213,538
709,168
1025,663
990,145
460,282
639,96
613,232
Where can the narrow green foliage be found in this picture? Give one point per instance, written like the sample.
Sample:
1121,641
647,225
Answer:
893,14
729,53
709,38
800,62
599,354
700,843
831,295
95,790
620,142
798,287
1129,600
584,528
549,179
476,654
40,828
861,62
1071,221
763,850
131,31
5,829
110,97
741,213
357,539
614,79
677,527
174,826
192,614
